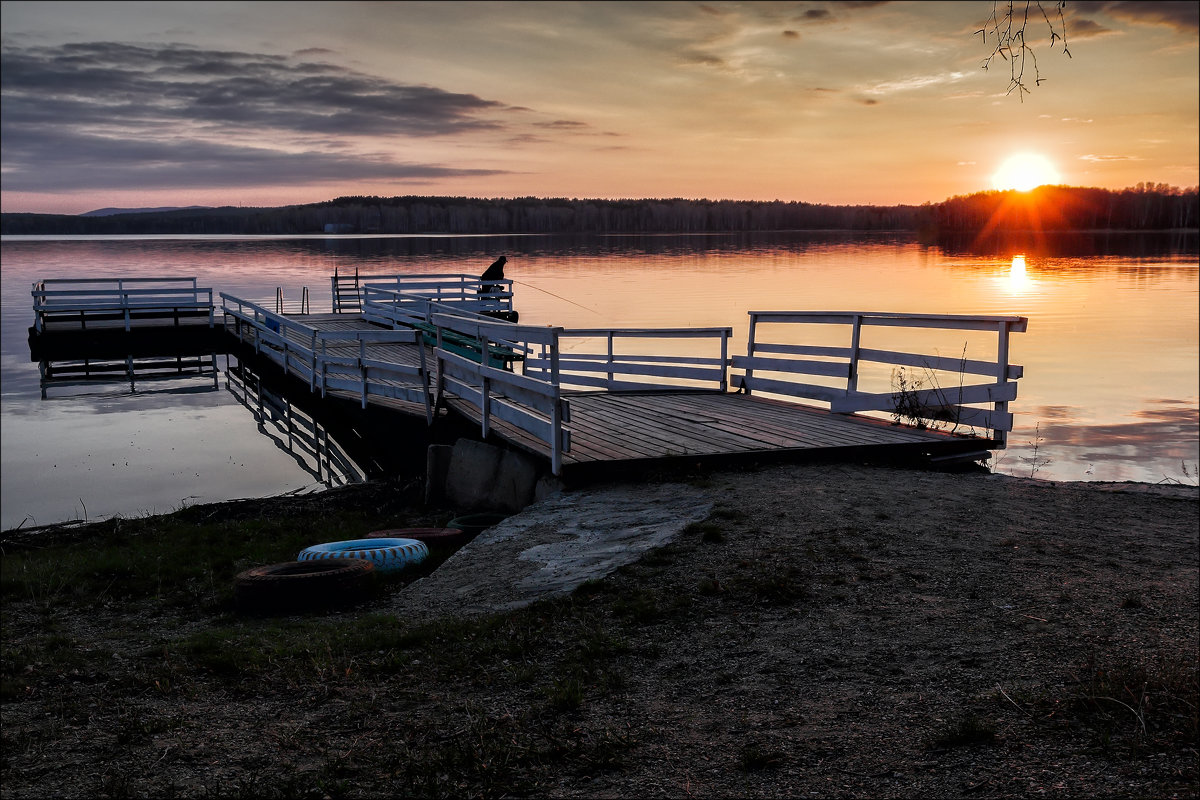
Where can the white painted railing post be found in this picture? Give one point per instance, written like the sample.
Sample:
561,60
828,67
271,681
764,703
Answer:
362,369
556,431
1001,407
424,379
724,360
312,372
610,360
855,341
750,352
485,399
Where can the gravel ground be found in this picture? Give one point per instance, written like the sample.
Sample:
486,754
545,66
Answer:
828,632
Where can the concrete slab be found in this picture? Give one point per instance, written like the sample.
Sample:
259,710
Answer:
554,546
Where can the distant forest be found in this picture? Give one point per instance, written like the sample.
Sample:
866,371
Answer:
1145,207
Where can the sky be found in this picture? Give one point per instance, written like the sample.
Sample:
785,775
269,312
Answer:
263,104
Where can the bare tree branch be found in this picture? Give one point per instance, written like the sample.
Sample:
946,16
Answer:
1006,28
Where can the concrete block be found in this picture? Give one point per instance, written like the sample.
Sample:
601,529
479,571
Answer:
473,468
482,477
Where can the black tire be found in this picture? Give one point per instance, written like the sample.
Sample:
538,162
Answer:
298,586
442,538
475,524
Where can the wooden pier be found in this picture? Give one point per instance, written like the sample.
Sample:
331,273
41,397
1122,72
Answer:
434,346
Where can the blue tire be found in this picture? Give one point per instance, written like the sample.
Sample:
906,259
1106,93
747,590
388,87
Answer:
387,555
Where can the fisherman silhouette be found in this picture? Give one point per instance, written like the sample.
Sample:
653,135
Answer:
493,273
496,273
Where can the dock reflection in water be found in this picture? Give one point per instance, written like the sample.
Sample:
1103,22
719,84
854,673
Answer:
297,432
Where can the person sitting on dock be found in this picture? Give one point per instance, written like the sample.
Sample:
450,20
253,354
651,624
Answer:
493,273
496,273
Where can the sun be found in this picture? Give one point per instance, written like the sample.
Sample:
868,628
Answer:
1025,171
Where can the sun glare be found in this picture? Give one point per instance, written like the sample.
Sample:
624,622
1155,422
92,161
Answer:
1025,171
1018,276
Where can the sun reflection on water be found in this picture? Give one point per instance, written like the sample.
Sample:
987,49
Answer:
1019,281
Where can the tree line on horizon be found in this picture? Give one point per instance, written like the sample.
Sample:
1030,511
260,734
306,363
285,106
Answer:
1145,207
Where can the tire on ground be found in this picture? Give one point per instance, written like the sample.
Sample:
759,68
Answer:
441,538
297,586
387,555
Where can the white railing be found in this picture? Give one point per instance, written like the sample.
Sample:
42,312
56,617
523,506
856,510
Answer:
396,309
332,360
345,363
532,403
125,299
920,396
611,370
405,295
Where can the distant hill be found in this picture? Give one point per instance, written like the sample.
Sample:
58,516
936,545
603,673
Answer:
108,212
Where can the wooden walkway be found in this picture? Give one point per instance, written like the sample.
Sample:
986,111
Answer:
608,428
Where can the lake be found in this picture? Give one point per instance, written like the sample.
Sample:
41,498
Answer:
1111,357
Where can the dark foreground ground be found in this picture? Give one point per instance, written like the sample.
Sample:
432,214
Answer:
827,632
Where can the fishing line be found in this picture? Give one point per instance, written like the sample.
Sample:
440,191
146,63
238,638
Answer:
559,296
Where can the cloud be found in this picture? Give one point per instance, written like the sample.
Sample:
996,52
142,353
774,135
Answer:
106,115
59,161
1100,158
1086,29
914,82
145,85
1183,17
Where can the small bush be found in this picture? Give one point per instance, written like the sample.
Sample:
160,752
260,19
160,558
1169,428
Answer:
967,730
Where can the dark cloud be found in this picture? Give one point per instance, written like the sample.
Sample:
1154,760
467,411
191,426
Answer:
791,35
105,114
1182,16
816,14
1086,29
703,59
173,84
59,161
566,125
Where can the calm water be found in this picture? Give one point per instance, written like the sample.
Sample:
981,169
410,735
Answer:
1110,389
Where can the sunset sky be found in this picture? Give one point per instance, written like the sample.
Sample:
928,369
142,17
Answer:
264,104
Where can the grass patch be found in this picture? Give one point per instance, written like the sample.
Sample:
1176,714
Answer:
965,731
755,757
1151,702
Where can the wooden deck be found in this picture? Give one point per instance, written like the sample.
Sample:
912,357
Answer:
609,429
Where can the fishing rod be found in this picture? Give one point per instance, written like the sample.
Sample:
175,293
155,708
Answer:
559,296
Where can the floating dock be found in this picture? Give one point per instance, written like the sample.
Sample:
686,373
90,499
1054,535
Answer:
435,346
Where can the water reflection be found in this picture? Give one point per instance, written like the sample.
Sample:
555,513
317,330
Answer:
1050,244
1110,356
175,374
1018,276
294,431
